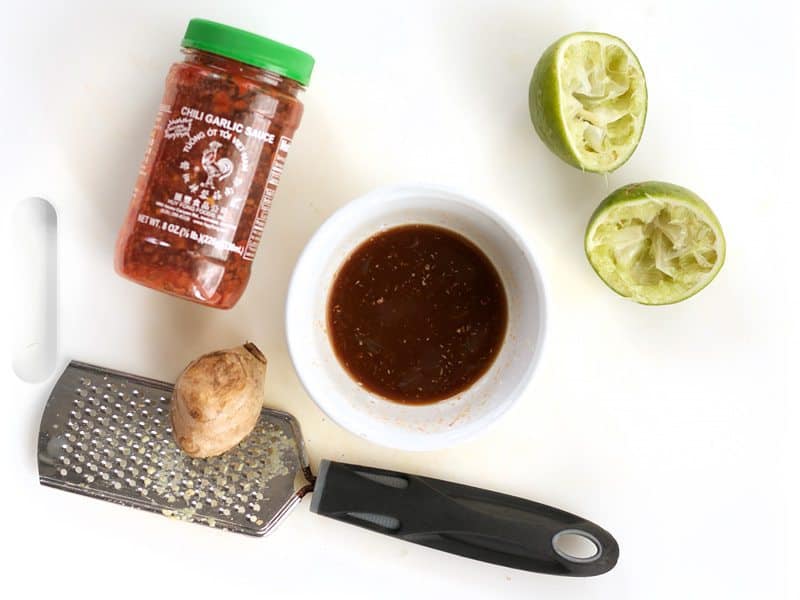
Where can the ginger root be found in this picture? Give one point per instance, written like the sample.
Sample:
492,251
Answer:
217,400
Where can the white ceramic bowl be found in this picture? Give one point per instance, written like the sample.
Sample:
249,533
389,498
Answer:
374,418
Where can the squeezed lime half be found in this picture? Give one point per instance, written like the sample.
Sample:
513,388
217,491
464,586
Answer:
588,100
655,242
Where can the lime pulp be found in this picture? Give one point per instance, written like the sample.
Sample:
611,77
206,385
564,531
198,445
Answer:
588,100
655,242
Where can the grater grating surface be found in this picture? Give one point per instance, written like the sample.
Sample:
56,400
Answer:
108,435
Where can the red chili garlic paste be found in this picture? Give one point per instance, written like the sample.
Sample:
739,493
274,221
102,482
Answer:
215,156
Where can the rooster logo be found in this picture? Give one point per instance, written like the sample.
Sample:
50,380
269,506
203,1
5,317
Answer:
215,168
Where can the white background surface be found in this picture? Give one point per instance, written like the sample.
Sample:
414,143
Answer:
672,427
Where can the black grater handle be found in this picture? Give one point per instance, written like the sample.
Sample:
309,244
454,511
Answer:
472,522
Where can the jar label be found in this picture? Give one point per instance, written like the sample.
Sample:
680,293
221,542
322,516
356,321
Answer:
205,169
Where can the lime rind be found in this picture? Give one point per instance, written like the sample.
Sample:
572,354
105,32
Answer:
655,243
588,100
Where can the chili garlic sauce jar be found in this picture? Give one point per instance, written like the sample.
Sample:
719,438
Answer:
215,156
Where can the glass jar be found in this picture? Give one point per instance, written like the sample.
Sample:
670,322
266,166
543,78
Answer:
215,156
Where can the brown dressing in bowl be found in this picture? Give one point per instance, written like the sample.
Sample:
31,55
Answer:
417,314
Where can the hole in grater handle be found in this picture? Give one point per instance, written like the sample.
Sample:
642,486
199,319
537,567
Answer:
577,546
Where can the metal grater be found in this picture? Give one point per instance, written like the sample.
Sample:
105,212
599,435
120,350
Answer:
108,435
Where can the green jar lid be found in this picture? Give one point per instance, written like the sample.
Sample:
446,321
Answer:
249,48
